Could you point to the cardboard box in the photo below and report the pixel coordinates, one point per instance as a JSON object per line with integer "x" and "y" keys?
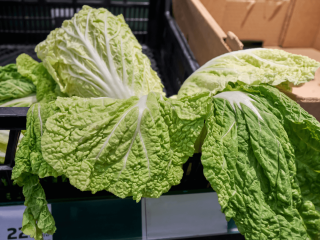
{"x": 204, "y": 35}
{"x": 260, "y": 20}
{"x": 290, "y": 25}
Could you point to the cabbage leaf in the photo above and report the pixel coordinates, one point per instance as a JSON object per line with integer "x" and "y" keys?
{"x": 15, "y": 88}
{"x": 251, "y": 67}
{"x": 133, "y": 147}
{"x": 47, "y": 89}
{"x": 251, "y": 158}
{"x": 9, "y": 72}
{"x": 130, "y": 147}
{"x": 95, "y": 54}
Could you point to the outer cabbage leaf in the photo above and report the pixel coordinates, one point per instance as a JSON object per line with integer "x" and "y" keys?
{"x": 15, "y": 88}
{"x": 37, "y": 218}
{"x": 95, "y": 54}
{"x": 250, "y": 67}
{"x": 20, "y": 102}
{"x": 133, "y": 147}
{"x": 251, "y": 161}
{"x": 25, "y": 66}
{"x": 304, "y": 134}
{"x": 9, "y": 72}
{"x": 29, "y": 157}
{"x": 29, "y": 166}
{"x": 47, "y": 88}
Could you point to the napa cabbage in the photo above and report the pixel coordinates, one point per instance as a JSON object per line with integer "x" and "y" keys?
{"x": 125, "y": 136}
{"x": 95, "y": 54}
{"x": 261, "y": 150}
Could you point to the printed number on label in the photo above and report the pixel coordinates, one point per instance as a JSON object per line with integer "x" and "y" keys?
{"x": 12, "y": 234}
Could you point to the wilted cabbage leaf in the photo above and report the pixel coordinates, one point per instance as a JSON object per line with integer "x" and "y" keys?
{"x": 95, "y": 54}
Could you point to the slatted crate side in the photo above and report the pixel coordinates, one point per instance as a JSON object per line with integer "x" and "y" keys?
{"x": 26, "y": 22}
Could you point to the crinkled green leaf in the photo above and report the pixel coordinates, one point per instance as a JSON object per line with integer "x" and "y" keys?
{"x": 9, "y": 72}
{"x": 133, "y": 147}
{"x": 304, "y": 134}
{"x": 250, "y": 67}
{"x": 37, "y": 218}
{"x": 20, "y": 102}
{"x": 47, "y": 88}
{"x": 15, "y": 88}
{"x": 29, "y": 166}
{"x": 95, "y": 54}
{"x": 251, "y": 156}
{"x": 29, "y": 157}
{"x": 133, "y": 140}
{"x": 25, "y": 66}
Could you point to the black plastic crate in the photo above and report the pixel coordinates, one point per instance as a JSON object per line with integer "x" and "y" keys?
{"x": 162, "y": 42}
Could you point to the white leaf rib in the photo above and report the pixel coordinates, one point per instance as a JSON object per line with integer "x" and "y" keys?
{"x": 30, "y": 99}
{"x": 40, "y": 120}
{"x": 71, "y": 34}
{"x": 266, "y": 61}
{"x": 87, "y": 25}
{"x": 75, "y": 53}
{"x": 113, "y": 130}
{"x": 92, "y": 51}
{"x": 107, "y": 76}
{"x": 132, "y": 62}
{"x": 142, "y": 106}
{"x": 78, "y": 64}
{"x": 150, "y": 114}
{"x": 85, "y": 80}
{"x": 116, "y": 34}
{"x": 124, "y": 71}
{"x": 96, "y": 78}
{"x": 15, "y": 86}
{"x": 112, "y": 67}
{"x": 144, "y": 79}
{"x": 170, "y": 159}
{"x": 229, "y": 129}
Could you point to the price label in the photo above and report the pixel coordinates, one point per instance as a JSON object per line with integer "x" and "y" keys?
{"x": 11, "y": 223}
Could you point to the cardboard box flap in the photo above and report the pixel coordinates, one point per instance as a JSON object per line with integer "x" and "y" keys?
{"x": 233, "y": 42}
{"x": 204, "y": 35}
